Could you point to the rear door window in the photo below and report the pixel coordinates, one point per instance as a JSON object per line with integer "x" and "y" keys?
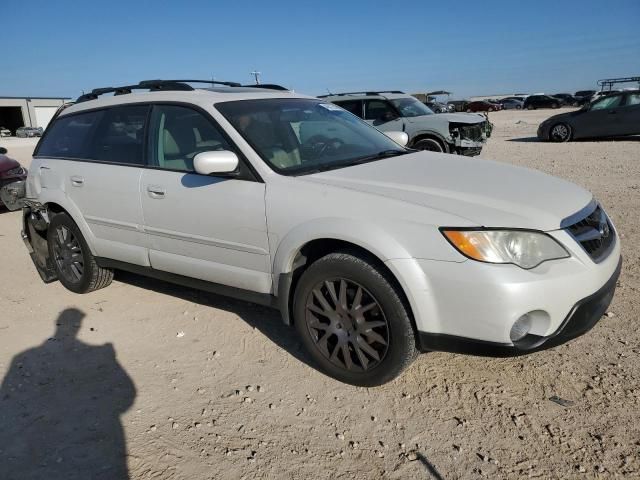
{"x": 353, "y": 106}
{"x": 70, "y": 136}
{"x": 120, "y": 135}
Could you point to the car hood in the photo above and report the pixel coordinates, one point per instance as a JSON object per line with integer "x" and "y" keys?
{"x": 7, "y": 163}
{"x": 469, "y": 118}
{"x": 478, "y": 192}
{"x": 563, "y": 116}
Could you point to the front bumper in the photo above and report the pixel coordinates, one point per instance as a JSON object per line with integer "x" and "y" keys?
{"x": 480, "y": 302}
{"x": 583, "y": 317}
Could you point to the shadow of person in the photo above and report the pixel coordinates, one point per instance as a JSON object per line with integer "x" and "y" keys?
{"x": 60, "y": 407}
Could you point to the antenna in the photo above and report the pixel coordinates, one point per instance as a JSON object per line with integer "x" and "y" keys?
{"x": 256, "y": 75}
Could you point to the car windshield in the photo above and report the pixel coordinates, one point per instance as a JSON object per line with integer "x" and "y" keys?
{"x": 299, "y": 136}
{"x": 411, "y": 107}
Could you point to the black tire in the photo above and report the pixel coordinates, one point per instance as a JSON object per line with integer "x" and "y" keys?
{"x": 560, "y": 132}
{"x": 334, "y": 340}
{"x": 74, "y": 264}
{"x": 468, "y": 110}
{"x": 518, "y": 107}
{"x": 531, "y": 107}
{"x": 555, "y": 105}
{"x": 429, "y": 144}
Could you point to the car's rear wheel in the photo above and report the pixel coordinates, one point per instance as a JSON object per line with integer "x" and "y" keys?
{"x": 555, "y": 105}
{"x": 353, "y": 321}
{"x": 75, "y": 266}
{"x": 531, "y": 107}
{"x": 429, "y": 144}
{"x": 560, "y": 132}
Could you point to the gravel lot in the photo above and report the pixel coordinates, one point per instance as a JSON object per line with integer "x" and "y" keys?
{"x": 195, "y": 386}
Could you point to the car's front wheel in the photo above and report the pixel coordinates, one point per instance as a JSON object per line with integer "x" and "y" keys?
{"x": 353, "y": 321}
{"x": 560, "y": 132}
{"x": 531, "y": 107}
{"x": 428, "y": 144}
{"x": 74, "y": 263}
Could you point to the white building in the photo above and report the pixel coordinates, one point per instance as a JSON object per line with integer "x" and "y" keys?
{"x": 16, "y": 112}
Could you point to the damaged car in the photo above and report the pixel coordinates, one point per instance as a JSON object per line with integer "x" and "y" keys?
{"x": 12, "y": 178}
{"x": 391, "y": 111}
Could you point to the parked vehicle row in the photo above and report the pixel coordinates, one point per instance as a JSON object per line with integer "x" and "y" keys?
{"x": 372, "y": 251}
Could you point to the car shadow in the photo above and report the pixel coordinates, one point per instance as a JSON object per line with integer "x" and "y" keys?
{"x": 266, "y": 320}
{"x": 60, "y": 408}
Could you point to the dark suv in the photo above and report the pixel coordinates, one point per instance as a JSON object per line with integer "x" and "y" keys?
{"x": 541, "y": 101}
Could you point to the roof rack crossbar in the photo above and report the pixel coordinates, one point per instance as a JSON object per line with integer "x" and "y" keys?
{"x": 152, "y": 85}
{"x": 610, "y": 82}
{"x": 369, "y": 92}
{"x": 268, "y": 86}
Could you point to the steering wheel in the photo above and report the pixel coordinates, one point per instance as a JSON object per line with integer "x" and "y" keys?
{"x": 320, "y": 146}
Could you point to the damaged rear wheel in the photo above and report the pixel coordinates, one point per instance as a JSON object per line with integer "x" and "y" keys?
{"x": 75, "y": 266}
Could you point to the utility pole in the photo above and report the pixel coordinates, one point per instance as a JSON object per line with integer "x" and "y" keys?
{"x": 256, "y": 75}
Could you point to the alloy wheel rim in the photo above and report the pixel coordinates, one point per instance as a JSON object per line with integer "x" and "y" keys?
{"x": 560, "y": 132}
{"x": 347, "y": 324}
{"x": 68, "y": 254}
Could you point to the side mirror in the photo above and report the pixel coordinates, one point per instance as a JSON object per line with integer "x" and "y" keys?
{"x": 400, "y": 138}
{"x": 3, "y": 151}
{"x": 215, "y": 162}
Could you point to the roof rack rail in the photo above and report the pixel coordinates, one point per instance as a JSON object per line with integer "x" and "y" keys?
{"x": 268, "y": 86}
{"x": 610, "y": 82}
{"x": 369, "y": 92}
{"x": 151, "y": 85}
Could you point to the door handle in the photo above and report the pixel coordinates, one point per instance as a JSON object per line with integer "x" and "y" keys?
{"x": 77, "y": 181}
{"x": 44, "y": 167}
{"x": 155, "y": 191}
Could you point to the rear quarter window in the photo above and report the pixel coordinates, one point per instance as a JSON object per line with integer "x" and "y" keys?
{"x": 69, "y": 136}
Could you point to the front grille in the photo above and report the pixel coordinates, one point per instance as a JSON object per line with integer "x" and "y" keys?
{"x": 471, "y": 132}
{"x": 594, "y": 233}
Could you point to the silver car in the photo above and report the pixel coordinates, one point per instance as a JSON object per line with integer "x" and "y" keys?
{"x": 461, "y": 133}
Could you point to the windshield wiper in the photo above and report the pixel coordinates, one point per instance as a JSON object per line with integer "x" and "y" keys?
{"x": 355, "y": 161}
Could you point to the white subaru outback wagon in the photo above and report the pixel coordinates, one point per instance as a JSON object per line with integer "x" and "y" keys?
{"x": 374, "y": 252}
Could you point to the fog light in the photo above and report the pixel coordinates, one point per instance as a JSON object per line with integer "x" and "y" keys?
{"x": 520, "y": 328}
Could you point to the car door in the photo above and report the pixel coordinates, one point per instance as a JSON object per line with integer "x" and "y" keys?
{"x": 96, "y": 158}
{"x": 206, "y": 227}
{"x": 382, "y": 115}
{"x": 600, "y": 120}
{"x": 629, "y": 115}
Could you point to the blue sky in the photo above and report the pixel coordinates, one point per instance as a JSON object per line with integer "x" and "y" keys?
{"x": 62, "y": 47}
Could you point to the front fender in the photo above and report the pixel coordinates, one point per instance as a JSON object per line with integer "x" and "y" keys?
{"x": 362, "y": 233}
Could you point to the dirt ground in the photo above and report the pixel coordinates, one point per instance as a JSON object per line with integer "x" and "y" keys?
{"x": 189, "y": 385}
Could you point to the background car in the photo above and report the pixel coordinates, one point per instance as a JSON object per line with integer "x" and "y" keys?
{"x": 616, "y": 114}
{"x": 541, "y": 101}
{"x": 12, "y": 178}
{"x": 24, "y": 132}
{"x": 391, "y": 111}
{"x": 566, "y": 99}
{"x": 511, "y": 103}
{"x": 5, "y": 132}
{"x": 458, "y": 105}
{"x": 437, "y": 107}
{"x": 483, "y": 106}
{"x": 583, "y": 96}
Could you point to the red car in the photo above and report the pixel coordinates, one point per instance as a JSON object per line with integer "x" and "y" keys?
{"x": 12, "y": 178}
{"x": 483, "y": 106}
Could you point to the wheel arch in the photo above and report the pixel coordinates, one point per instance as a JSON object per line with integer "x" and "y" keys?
{"x": 432, "y": 135}
{"x": 55, "y": 205}
{"x": 305, "y": 244}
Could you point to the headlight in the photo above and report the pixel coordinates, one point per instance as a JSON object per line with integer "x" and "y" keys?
{"x": 16, "y": 171}
{"x": 527, "y": 249}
